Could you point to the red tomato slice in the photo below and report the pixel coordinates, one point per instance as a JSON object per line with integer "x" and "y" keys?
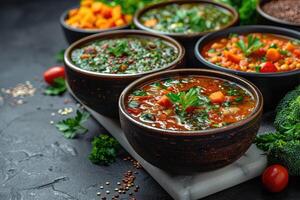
{"x": 165, "y": 101}
{"x": 275, "y": 178}
{"x": 268, "y": 67}
{"x": 54, "y": 73}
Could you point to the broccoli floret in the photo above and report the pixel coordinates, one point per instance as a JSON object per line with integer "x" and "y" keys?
{"x": 288, "y": 155}
{"x": 288, "y": 113}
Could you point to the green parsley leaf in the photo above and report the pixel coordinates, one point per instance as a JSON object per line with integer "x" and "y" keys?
{"x": 58, "y": 88}
{"x": 60, "y": 56}
{"x": 104, "y": 150}
{"x": 253, "y": 44}
{"x": 119, "y": 49}
{"x": 71, "y": 127}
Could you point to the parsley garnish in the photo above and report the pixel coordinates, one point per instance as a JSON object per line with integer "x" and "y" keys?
{"x": 58, "y": 87}
{"x": 119, "y": 49}
{"x": 104, "y": 150}
{"x": 60, "y": 56}
{"x": 253, "y": 44}
{"x": 71, "y": 127}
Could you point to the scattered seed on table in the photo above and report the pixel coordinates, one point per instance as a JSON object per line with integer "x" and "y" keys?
{"x": 51, "y": 122}
{"x": 107, "y": 183}
{"x": 107, "y": 191}
{"x": 101, "y": 187}
{"x": 98, "y": 193}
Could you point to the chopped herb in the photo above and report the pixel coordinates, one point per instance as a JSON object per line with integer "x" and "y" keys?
{"x": 283, "y": 52}
{"x": 274, "y": 46}
{"x": 104, "y": 150}
{"x": 148, "y": 117}
{"x": 233, "y": 92}
{"x": 239, "y": 99}
{"x": 120, "y": 48}
{"x": 211, "y": 51}
{"x": 296, "y": 42}
{"x": 60, "y": 56}
{"x": 253, "y": 44}
{"x": 71, "y": 127}
{"x": 58, "y": 87}
{"x": 133, "y": 104}
{"x": 257, "y": 68}
{"x": 139, "y": 93}
{"x": 226, "y": 103}
{"x": 232, "y": 35}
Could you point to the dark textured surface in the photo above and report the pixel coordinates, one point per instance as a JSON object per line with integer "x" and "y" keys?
{"x": 36, "y": 162}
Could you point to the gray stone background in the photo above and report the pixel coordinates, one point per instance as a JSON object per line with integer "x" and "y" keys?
{"x": 36, "y": 161}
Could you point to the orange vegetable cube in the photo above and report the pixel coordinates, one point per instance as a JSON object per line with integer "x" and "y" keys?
{"x": 273, "y": 55}
{"x": 117, "y": 12}
{"x": 217, "y": 97}
{"x": 232, "y": 57}
{"x": 86, "y": 3}
{"x": 297, "y": 52}
{"x": 150, "y": 22}
{"x": 73, "y": 12}
{"x": 96, "y": 7}
{"x": 128, "y": 18}
{"x": 120, "y": 22}
{"x": 290, "y": 47}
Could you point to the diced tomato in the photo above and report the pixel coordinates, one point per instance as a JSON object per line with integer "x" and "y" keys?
{"x": 165, "y": 101}
{"x": 190, "y": 109}
{"x": 268, "y": 67}
{"x": 142, "y": 98}
{"x": 217, "y": 97}
{"x": 162, "y": 117}
{"x": 297, "y": 52}
{"x": 260, "y": 52}
{"x": 134, "y": 111}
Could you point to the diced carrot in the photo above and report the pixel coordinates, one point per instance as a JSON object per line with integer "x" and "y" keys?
{"x": 232, "y": 57}
{"x": 290, "y": 47}
{"x": 165, "y": 101}
{"x": 217, "y": 97}
{"x": 273, "y": 55}
{"x": 117, "y": 13}
{"x": 128, "y": 18}
{"x": 96, "y": 7}
{"x": 162, "y": 117}
{"x": 150, "y": 22}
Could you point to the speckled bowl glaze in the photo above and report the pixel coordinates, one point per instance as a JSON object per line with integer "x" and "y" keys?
{"x": 272, "y": 85}
{"x": 73, "y": 34}
{"x": 187, "y": 40}
{"x": 101, "y": 91}
{"x": 184, "y": 152}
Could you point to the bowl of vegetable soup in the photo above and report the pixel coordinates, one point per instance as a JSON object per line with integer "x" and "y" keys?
{"x": 189, "y": 120}
{"x": 100, "y": 66}
{"x": 186, "y": 21}
{"x": 268, "y": 56}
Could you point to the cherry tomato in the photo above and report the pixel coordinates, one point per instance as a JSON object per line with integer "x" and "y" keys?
{"x": 259, "y": 53}
{"x": 53, "y": 73}
{"x": 275, "y": 178}
{"x": 268, "y": 67}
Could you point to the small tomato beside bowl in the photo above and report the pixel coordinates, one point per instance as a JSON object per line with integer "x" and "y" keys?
{"x": 275, "y": 178}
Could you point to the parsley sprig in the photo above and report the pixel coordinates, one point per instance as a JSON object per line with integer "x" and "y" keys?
{"x": 71, "y": 127}
{"x": 119, "y": 49}
{"x": 253, "y": 44}
{"x": 58, "y": 88}
{"x": 104, "y": 150}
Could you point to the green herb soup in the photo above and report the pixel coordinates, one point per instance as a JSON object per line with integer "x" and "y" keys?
{"x": 128, "y": 55}
{"x": 186, "y": 18}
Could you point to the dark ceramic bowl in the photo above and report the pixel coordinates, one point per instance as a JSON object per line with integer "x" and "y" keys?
{"x": 265, "y": 18}
{"x": 101, "y": 91}
{"x": 187, "y": 40}
{"x": 272, "y": 85}
{"x": 73, "y": 34}
{"x": 184, "y": 152}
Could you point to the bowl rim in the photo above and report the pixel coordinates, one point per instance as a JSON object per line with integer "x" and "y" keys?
{"x": 249, "y": 29}
{"x": 139, "y": 13}
{"x": 214, "y": 74}
{"x": 103, "y": 35}
{"x": 270, "y": 17}
{"x": 64, "y": 16}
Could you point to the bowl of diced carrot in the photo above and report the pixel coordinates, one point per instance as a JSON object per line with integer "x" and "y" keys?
{"x": 92, "y": 17}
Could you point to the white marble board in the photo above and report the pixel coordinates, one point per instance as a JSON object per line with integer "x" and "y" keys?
{"x": 198, "y": 185}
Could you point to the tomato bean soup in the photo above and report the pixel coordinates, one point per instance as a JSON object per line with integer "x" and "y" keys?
{"x": 190, "y": 103}
{"x": 255, "y": 52}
